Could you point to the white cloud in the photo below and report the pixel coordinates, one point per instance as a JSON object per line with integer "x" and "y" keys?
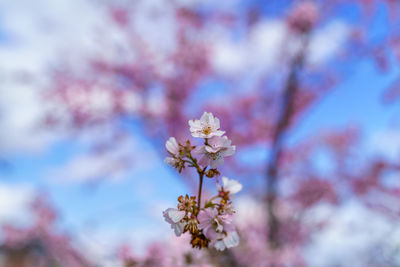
{"x": 385, "y": 143}
{"x": 154, "y": 21}
{"x": 113, "y": 163}
{"x": 116, "y": 159}
{"x": 257, "y": 53}
{"x": 101, "y": 246}
{"x": 249, "y": 211}
{"x": 266, "y": 44}
{"x": 327, "y": 41}
{"x": 37, "y": 28}
{"x": 220, "y": 5}
{"x": 21, "y": 120}
{"x": 15, "y": 200}
{"x": 40, "y": 31}
{"x": 352, "y": 232}
{"x": 36, "y": 34}
{"x": 228, "y": 57}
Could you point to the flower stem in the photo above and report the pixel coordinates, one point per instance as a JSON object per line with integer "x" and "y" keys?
{"x": 201, "y": 175}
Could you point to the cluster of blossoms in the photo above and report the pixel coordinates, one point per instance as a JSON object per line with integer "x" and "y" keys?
{"x": 303, "y": 17}
{"x": 212, "y": 223}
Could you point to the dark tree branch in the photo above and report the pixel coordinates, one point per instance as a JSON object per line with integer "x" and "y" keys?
{"x": 282, "y": 124}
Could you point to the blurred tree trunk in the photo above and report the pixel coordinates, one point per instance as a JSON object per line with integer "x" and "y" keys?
{"x": 285, "y": 116}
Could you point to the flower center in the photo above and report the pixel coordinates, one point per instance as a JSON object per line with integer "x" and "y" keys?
{"x": 214, "y": 156}
{"x": 207, "y": 130}
{"x": 217, "y": 225}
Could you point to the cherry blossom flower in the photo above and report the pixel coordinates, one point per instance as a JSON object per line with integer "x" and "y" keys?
{"x": 228, "y": 240}
{"x": 303, "y": 17}
{"x": 175, "y": 162}
{"x": 171, "y": 161}
{"x": 212, "y": 223}
{"x": 206, "y": 127}
{"x": 229, "y": 186}
{"x": 173, "y": 149}
{"x": 172, "y": 146}
{"x": 214, "y": 152}
{"x": 174, "y": 217}
{"x": 218, "y": 228}
{"x": 186, "y": 203}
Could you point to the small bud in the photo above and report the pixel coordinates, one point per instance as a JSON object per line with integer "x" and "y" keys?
{"x": 180, "y": 165}
{"x": 199, "y": 241}
{"x": 186, "y": 203}
{"x": 212, "y": 172}
{"x": 175, "y": 162}
{"x": 191, "y": 226}
{"x": 186, "y": 149}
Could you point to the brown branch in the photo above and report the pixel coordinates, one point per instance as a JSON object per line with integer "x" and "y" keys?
{"x": 283, "y": 122}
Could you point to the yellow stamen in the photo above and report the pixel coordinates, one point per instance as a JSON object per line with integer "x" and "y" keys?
{"x": 207, "y": 130}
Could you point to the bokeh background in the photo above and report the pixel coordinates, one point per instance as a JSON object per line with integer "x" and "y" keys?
{"x": 307, "y": 91}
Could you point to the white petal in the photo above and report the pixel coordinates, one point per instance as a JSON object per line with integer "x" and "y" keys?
{"x": 219, "y": 187}
{"x": 216, "y": 123}
{"x": 225, "y": 181}
{"x": 170, "y": 161}
{"x": 195, "y": 125}
{"x": 166, "y": 217}
{"x": 178, "y": 228}
{"x": 205, "y": 118}
{"x": 176, "y": 215}
{"x": 231, "y": 240}
{"x": 219, "y": 226}
{"x": 233, "y": 186}
{"x": 210, "y": 149}
{"x": 216, "y": 141}
{"x": 216, "y": 163}
{"x": 199, "y": 151}
{"x": 219, "y": 245}
{"x": 219, "y": 133}
{"x": 229, "y": 151}
{"x": 225, "y": 141}
{"x": 198, "y": 134}
{"x": 204, "y": 161}
{"x": 172, "y": 146}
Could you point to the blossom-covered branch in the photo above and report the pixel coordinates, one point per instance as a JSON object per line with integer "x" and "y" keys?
{"x": 210, "y": 224}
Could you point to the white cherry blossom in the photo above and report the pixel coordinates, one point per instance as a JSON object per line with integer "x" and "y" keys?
{"x": 214, "y": 152}
{"x": 171, "y": 161}
{"x": 206, "y": 127}
{"x": 172, "y": 146}
{"x": 228, "y": 240}
{"x": 174, "y": 217}
{"x": 211, "y": 224}
{"x": 229, "y": 186}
